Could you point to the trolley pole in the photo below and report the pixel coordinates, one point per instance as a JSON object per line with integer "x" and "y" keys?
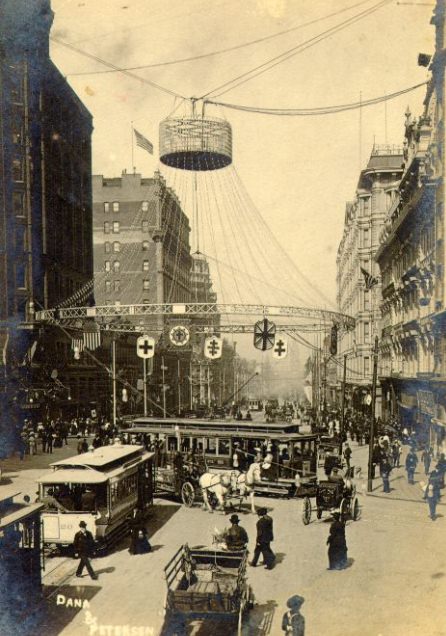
{"x": 344, "y": 380}
{"x": 163, "y": 369}
{"x": 179, "y": 387}
{"x": 372, "y": 423}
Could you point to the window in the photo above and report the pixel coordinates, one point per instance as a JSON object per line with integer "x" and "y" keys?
{"x": 366, "y": 366}
{"x": 366, "y": 237}
{"x": 17, "y": 136}
{"x": 116, "y": 246}
{"x": 117, "y": 285}
{"x": 211, "y": 446}
{"x": 366, "y": 300}
{"x": 145, "y": 206}
{"x": 366, "y": 332}
{"x": 146, "y": 284}
{"x": 115, "y": 206}
{"x": 107, "y": 266}
{"x": 107, "y": 286}
{"x": 106, "y": 207}
{"x": 145, "y": 266}
{"x": 106, "y": 227}
{"x": 116, "y": 227}
{"x": 17, "y": 203}
{"x": 145, "y": 226}
{"x": 223, "y": 447}
{"x": 145, "y": 246}
{"x": 107, "y": 247}
{"x": 17, "y": 170}
{"x": 116, "y": 266}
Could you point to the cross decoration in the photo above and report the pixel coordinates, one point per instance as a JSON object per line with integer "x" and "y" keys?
{"x": 212, "y": 348}
{"x": 280, "y": 349}
{"x": 145, "y": 347}
{"x": 264, "y": 334}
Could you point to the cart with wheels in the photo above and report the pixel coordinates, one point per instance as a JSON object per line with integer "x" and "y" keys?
{"x": 331, "y": 495}
{"x": 208, "y": 586}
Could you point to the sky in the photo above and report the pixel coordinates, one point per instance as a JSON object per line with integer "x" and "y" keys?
{"x": 297, "y": 172}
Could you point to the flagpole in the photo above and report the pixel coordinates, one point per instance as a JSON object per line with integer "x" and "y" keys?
{"x": 133, "y": 148}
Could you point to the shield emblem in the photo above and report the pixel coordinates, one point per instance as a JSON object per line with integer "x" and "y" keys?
{"x": 264, "y": 334}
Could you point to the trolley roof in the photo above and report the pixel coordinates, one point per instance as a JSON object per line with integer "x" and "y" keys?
{"x": 102, "y": 458}
{"x": 240, "y": 428}
{"x": 19, "y": 514}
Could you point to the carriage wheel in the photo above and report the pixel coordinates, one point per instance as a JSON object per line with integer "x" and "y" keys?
{"x": 187, "y": 494}
{"x": 306, "y": 512}
{"x": 343, "y": 508}
{"x": 355, "y": 509}
{"x": 319, "y": 513}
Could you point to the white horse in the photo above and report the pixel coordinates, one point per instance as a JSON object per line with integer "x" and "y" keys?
{"x": 218, "y": 485}
{"x": 244, "y": 482}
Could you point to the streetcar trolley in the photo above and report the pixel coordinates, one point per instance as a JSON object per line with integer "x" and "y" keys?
{"x": 207, "y": 584}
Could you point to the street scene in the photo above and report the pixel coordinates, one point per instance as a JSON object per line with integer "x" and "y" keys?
{"x": 222, "y": 318}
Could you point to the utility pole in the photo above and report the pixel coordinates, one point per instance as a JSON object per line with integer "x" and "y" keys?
{"x": 372, "y": 423}
{"x": 144, "y": 380}
{"x": 163, "y": 368}
{"x": 344, "y": 379}
{"x": 179, "y": 386}
{"x": 114, "y": 379}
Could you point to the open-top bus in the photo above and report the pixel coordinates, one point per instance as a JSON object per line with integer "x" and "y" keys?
{"x": 101, "y": 487}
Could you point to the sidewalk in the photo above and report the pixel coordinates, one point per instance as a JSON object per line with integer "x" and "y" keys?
{"x": 400, "y": 489}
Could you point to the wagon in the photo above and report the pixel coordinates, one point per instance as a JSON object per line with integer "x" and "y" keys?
{"x": 181, "y": 483}
{"x": 332, "y": 495}
{"x": 206, "y": 585}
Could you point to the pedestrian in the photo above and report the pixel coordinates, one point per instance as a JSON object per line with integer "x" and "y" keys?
{"x": 139, "y": 542}
{"x": 441, "y": 468}
{"x": 236, "y": 537}
{"x": 32, "y": 444}
{"x": 293, "y": 623}
{"x": 83, "y": 546}
{"x": 411, "y": 464}
{"x": 347, "y": 455}
{"x": 431, "y": 496}
{"x": 82, "y": 446}
{"x": 385, "y": 469}
{"x": 49, "y": 441}
{"x": 426, "y": 458}
{"x": 396, "y": 452}
{"x": 337, "y": 550}
{"x": 264, "y": 537}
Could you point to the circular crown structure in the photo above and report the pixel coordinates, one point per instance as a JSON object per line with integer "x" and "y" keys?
{"x": 195, "y": 143}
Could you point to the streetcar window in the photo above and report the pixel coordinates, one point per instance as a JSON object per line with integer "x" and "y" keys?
{"x": 185, "y": 444}
{"x": 172, "y": 443}
{"x": 223, "y": 447}
{"x": 211, "y": 446}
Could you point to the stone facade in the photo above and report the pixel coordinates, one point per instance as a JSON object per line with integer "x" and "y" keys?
{"x": 364, "y": 218}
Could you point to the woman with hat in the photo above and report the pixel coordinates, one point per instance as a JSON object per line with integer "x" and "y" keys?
{"x": 236, "y": 537}
{"x": 337, "y": 550}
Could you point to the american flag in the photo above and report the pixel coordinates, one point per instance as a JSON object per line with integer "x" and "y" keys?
{"x": 370, "y": 281}
{"x": 77, "y": 343}
{"x": 142, "y": 142}
{"x": 92, "y": 336}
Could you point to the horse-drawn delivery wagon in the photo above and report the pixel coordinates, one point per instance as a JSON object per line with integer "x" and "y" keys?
{"x": 206, "y": 585}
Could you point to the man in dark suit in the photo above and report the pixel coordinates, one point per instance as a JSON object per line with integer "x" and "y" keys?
{"x": 83, "y": 546}
{"x": 264, "y": 538}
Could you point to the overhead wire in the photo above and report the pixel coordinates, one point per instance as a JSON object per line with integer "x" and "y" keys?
{"x": 303, "y": 46}
{"x": 143, "y": 80}
{"x": 322, "y": 110}
{"x": 228, "y": 49}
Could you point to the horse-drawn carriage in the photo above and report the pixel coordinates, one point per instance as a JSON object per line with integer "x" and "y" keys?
{"x": 339, "y": 495}
{"x": 206, "y": 584}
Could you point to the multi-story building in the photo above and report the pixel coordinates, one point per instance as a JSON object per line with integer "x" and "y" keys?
{"x": 45, "y": 197}
{"x": 141, "y": 241}
{"x": 411, "y": 258}
{"x": 142, "y": 256}
{"x": 364, "y": 218}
